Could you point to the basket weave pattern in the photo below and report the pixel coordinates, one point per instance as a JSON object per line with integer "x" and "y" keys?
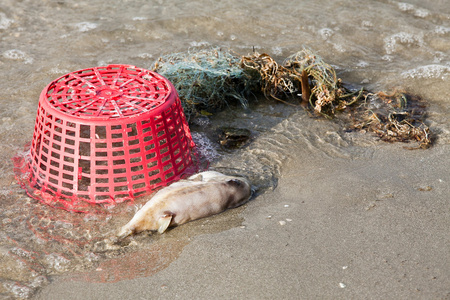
{"x": 108, "y": 134}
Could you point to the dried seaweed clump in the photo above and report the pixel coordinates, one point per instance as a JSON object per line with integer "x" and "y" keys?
{"x": 209, "y": 79}
{"x": 206, "y": 79}
{"x": 321, "y": 76}
{"x": 326, "y": 91}
{"x": 304, "y": 75}
{"x": 396, "y": 117}
{"x": 393, "y": 117}
{"x": 275, "y": 80}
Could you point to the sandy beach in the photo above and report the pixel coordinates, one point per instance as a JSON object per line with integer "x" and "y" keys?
{"x": 338, "y": 214}
{"x": 368, "y": 228}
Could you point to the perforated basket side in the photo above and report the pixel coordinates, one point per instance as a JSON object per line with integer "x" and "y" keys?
{"x": 83, "y": 157}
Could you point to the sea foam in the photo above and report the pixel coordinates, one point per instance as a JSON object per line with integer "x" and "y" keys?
{"x": 428, "y": 71}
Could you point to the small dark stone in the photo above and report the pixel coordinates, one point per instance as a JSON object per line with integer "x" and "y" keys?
{"x": 232, "y": 138}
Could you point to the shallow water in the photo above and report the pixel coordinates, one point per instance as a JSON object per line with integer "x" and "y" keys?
{"x": 379, "y": 45}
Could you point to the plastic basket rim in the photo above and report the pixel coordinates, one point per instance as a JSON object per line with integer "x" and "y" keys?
{"x": 172, "y": 95}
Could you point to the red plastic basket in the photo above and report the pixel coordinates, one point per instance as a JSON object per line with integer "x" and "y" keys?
{"x": 106, "y": 135}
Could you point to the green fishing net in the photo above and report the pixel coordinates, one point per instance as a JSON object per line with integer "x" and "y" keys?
{"x": 209, "y": 79}
{"x": 206, "y": 80}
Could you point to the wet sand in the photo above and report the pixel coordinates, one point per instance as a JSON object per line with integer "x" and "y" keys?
{"x": 372, "y": 224}
{"x": 375, "y": 227}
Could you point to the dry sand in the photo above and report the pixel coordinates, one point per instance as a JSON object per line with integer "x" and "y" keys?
{"x": 372, "y": 228}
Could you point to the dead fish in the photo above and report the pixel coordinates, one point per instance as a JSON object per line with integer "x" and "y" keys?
{"x": 199, "y": 196}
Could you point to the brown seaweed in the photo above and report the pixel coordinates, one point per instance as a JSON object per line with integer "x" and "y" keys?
{"x": 395, "y": 117}
{"x": 209, "y": 79}
{"x": 276, "y": 81}
{"x": 398, "y": 117}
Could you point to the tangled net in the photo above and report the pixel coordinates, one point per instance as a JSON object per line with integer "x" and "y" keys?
{"x": 275, "y": 81}
{"x": 396, "y": 117}
{"x": 206, "y": 80}
{"x": 209, "y": 79}
{"x": 303, "y": 74}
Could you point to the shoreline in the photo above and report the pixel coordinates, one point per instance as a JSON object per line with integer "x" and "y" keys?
{"x": 334, "y": 228}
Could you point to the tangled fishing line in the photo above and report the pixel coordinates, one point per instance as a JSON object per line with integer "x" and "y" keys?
{"x": 210, "y": 79}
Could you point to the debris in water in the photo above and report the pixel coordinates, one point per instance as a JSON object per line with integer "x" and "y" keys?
{"x": 396, "y": 117}
{"x": 305, "y": 73}
{"x": 231, "y": 138}
{"x": 275, "y": 80}
{"x": 208, "y": 79}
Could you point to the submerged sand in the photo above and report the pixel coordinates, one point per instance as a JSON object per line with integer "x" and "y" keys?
{"x": 375, "y": 227}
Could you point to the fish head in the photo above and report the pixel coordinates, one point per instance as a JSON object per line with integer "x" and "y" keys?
{"x": 124, "y": 232}
{"x": 239, "y": 191}
{"x": 140, "y": 222}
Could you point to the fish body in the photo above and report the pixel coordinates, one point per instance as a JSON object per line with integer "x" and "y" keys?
{"x": 199, "y": 196}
